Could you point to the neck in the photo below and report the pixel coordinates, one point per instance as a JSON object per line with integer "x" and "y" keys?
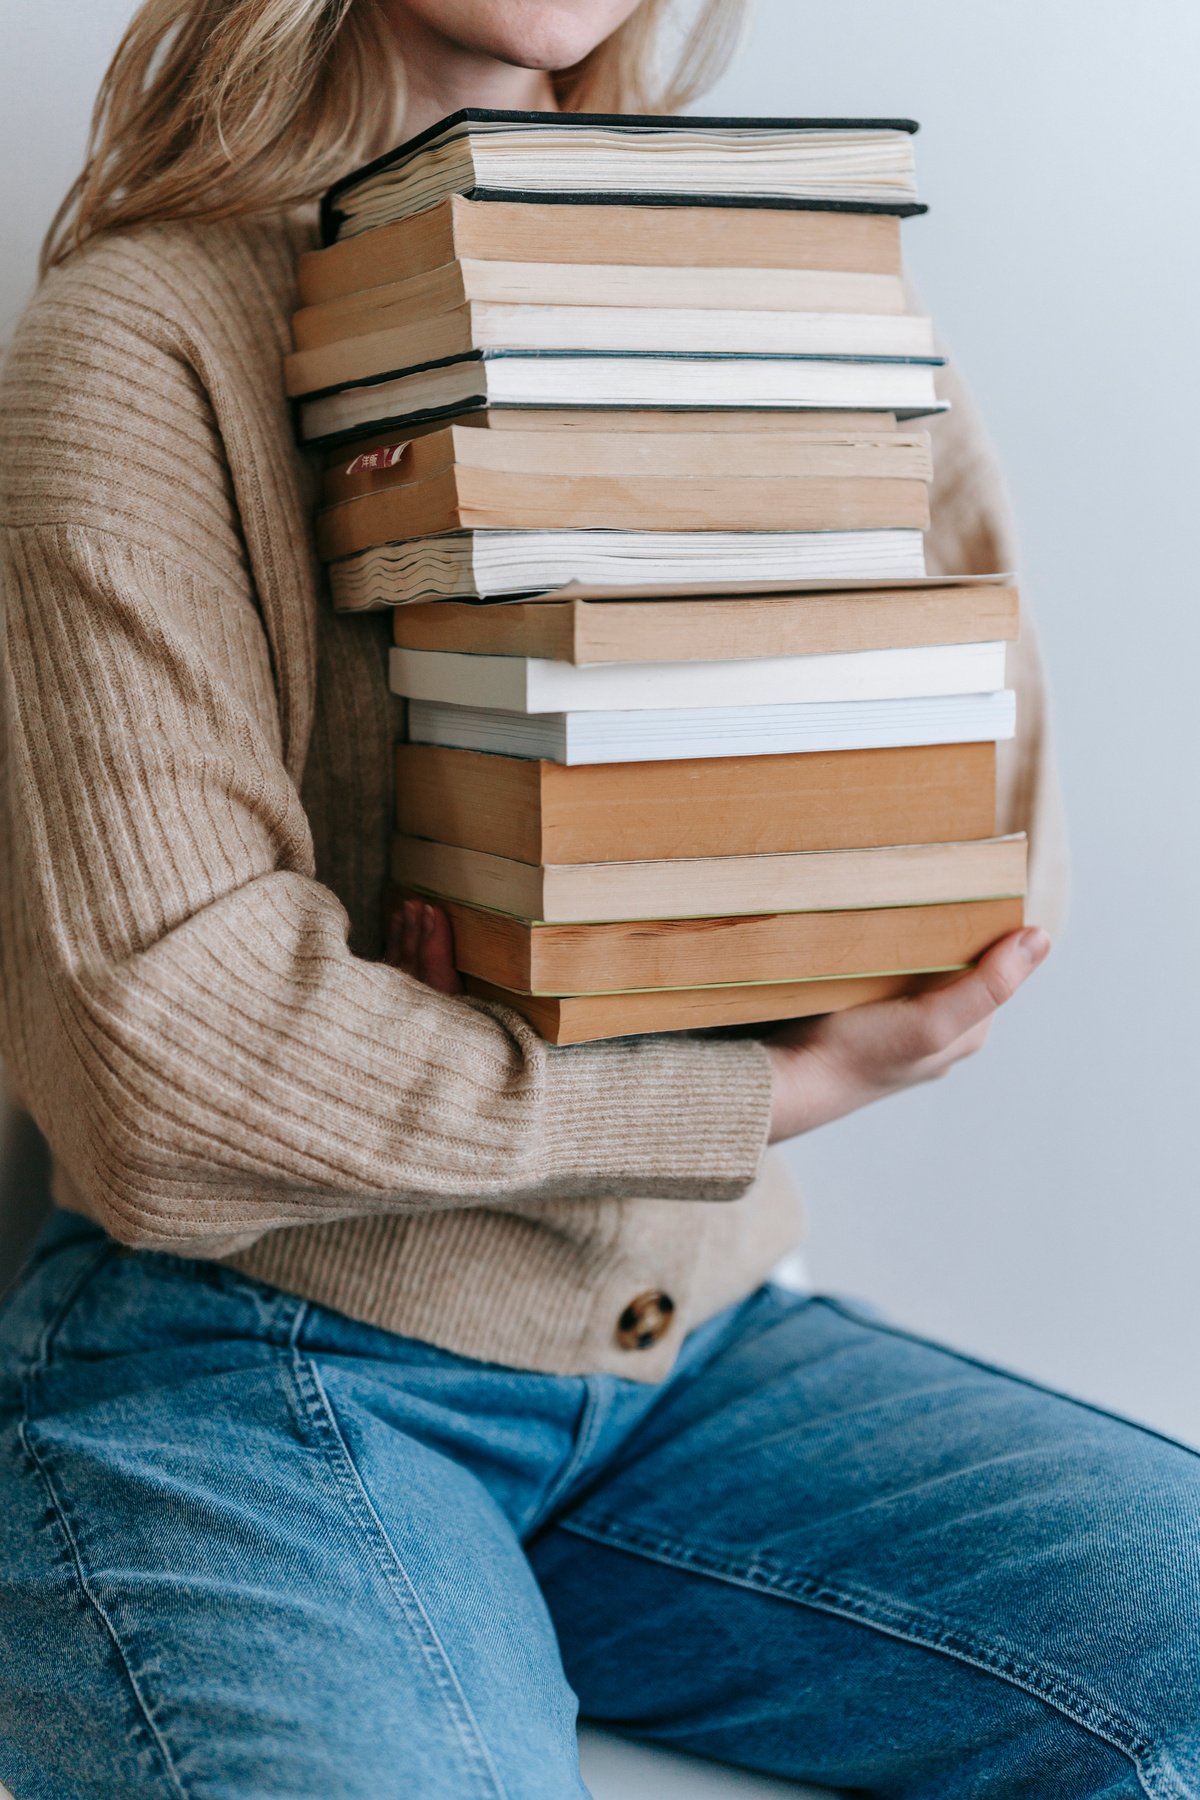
{"x": 442, "y": 76}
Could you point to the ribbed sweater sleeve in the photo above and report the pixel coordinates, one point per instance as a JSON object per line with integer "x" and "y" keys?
{"x": 181, "y": 1010}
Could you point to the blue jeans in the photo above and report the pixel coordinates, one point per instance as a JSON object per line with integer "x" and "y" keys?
{"x": 250, "y": 1548}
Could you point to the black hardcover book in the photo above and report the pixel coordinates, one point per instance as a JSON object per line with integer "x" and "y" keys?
{"x": 630, "y": 159}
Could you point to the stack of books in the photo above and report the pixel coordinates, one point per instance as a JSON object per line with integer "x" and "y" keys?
{"x": 618, "y": 416}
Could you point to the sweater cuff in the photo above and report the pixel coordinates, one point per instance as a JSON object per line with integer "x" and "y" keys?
{"x": 662, "y": 1117}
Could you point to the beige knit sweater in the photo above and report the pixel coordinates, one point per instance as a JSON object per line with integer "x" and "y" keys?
{"x": 194, "y": 813}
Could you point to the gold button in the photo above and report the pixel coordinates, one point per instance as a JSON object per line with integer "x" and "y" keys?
{"x": 645, "y": 1320}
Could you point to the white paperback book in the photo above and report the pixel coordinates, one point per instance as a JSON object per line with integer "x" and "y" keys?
{"x": 527, "y": 684}
{"x": 489, "y": 565}
{"x": 664, "y": 736}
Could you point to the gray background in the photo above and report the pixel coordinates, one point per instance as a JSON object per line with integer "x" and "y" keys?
{"x": 1041, "y": 1207}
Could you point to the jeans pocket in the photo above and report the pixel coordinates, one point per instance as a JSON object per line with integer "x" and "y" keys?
{"x": 89, "y": 1314}
{"x": 49, "y": 1286}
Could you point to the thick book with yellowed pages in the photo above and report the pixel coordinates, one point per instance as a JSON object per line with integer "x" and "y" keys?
{"x": 655, "y": 237}
{"x": 435, "y": 292}
{"x": 694, "y": 887}
{"x": 457, "y": 478}
{"x": 718, "y": 629}
{"x": 548, "y": 812}
{"x": 675, "y": 953}
{"x": 337, "y": 460}
{"x": 467, "y": 499}
{"x": 583, "y": 1018}
{"x": 858, "y": 165}
{"x": 860, "y": 452}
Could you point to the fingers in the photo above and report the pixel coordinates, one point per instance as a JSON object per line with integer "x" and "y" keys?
{"x": 932, "y": 1068}
{"x": 436, "y": 951}
{"x": 822, "y": 1069}
{"x": 421, "y": 943}
{"x": 404, "y": 936}
{"x": 938, "y": 1019}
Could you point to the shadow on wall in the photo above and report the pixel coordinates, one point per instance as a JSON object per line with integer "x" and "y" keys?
{"x": 24, "y": 1188}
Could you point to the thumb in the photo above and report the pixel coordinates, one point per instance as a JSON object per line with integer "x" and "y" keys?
{"x": 994, "y": 980}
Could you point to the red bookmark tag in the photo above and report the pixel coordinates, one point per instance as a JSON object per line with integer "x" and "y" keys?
{"x": 384, "y": 458}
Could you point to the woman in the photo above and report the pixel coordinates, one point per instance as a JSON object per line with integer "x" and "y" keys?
{"x": 359, "y": 1410}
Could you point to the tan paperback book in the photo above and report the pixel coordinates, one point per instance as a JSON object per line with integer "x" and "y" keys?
{"x": 657, "y": 953}
{"x": 646, "y": 236}
{"x": 583, "y": 1018}
{"x": 716, "y": 630}
{"x": 692, "y": 887}
{"x": 548, "y": 812}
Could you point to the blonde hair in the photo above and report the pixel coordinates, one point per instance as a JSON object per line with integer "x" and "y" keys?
{"x": 212, "y": 108}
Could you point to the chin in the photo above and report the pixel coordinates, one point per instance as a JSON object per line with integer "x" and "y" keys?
{"x": 547, "y": 34}
{"x": 529, "y": 34}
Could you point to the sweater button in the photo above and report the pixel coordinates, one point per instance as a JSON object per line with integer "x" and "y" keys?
{"x": 646, "y": 1319}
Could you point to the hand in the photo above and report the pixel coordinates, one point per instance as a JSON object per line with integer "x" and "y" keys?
{"x": 823, "y": 1068}
{"x": 421, "y": 942}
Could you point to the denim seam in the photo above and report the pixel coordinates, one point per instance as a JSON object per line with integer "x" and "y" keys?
{"x": 43, "y": 1355}
{"x": 38, "y": 1364}
{"x": 39, "y": 1463}
{"x": 588, "y": 1433}
{"x": 1154, "y": 1775}
{"x": 299, "y": 1320}
{"x": 319, "y": 1413}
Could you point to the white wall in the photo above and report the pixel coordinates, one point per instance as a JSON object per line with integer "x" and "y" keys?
{"x": 1043, "y": 1207}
